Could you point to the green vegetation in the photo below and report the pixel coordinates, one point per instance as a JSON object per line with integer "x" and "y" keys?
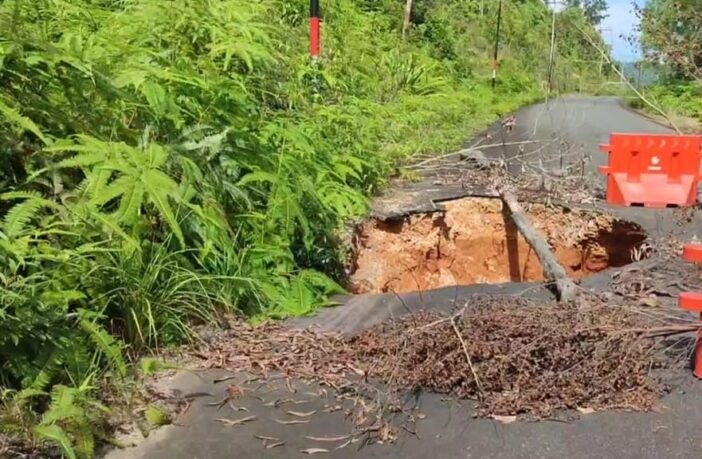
{"x": 678, "y": 98}
{"x": 166, "y": 162}
{"x": 670, "y": 37}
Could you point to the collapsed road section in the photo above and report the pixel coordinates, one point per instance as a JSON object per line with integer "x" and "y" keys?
{"x": 475, "y": 241}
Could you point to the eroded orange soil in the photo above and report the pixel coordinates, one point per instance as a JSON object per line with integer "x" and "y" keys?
{"x": 476, "y": 242}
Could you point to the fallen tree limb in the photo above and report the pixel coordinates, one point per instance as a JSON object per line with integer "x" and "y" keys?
{"x": 468, "y": 150}
{"x": 552, "y": 270}
{"x": 650, "y": 332}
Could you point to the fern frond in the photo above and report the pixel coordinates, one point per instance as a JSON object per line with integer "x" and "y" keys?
{"x": 19, "y": 216}
{"x": 106, "y": 344}
{"x": 62, "y": 398}
{"x": 84, "y": 439}
{"x": 95, "y": 182}
{"x": 10, "y": 195}
{"x": 88, "y": 159}
{"x": 28, "y": 393}
{"x": 121, "y": 186}
{"x": 156, "y": 154}
{"x": 160, "y": 187}
{"x": 16, "y": 118}
{"x": 130, "y": 204}
{"x": 260, "y": 176}
{"x": 56, "y": 434}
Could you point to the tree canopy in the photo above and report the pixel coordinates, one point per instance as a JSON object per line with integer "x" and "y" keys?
{"x": 595, "y": 10}
{"x": 671, "y": 34}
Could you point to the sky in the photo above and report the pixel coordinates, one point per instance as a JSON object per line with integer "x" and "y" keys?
{"x": 621, "y": 21}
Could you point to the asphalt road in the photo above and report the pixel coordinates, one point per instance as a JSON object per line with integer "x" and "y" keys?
{"x": 579, "y": 124}
{"x": 576, "y": 126}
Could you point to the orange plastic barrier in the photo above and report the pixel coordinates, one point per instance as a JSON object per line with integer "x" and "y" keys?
{"x": 692, "y": 301}
{"x": 652, "y": 170}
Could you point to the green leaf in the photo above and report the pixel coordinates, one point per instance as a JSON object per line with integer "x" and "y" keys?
{"x": 159, "y": 187}
{"x": 300, "y": 299}
{"x": 95, "y": 182}
{"x": 18, "y": 217}
{"x": 82, "y": 160}
{"x": 155, "y": 95}
{"x": 321, "y": 281}
{"x": 106, "y": 344}
{"x": 57, "y": 435}
{"x": 119, "y": 187}
{"x": 31, "y": 393}
{"x": 130, "y": 77}
{"x": 260, "y": 176}
{"x": 14, "y": 117}
{"x": 61, "y": 298}
{"x": 156, "y": 417}
{"x": 130, "y": 203}
{"x": 151, "y": 366}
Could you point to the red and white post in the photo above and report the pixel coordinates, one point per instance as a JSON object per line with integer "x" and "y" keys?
{"x": 314, "y": 29}
{"x": 692, "y": 301}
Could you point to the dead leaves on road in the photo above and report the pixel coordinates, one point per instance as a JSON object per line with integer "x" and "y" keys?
{"x": 329, "y": 439}
{"x": 298, "y": 414}
{"x": 277, "y": 403}
{"x": 266, "y": 439}
{"x": 314, "y": 450}
{"x": 555, "y": 355}
{"x": 292, "y": 421}
{"x": 504, "y": 419}
{"x": 236, "y": 422}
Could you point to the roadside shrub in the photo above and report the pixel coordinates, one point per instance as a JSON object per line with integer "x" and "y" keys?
{"x": 165, "y": 162}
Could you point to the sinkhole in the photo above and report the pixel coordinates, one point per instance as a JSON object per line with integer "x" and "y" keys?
{"x": 475, "y": 242}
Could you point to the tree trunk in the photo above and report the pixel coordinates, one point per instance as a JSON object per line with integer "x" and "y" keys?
{"x": 408, "y": 17}
{"x": 552, "y": 270}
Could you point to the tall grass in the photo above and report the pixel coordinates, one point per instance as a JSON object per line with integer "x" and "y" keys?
{"x": 165, "y": 162}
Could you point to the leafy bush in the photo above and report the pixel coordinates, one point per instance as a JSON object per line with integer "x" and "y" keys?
{"x": 168, "y": 161}
{"x": 681, "y": 98}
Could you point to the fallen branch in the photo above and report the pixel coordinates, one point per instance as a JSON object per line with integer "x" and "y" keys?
{"x": 659, "y": 332}
{"x": 499, "y": 340}
{"x": 465, "y": 352}
{"x": 650, "y": 332}
{"x": 552, "y": 270}
{"x": 465, "y": 151}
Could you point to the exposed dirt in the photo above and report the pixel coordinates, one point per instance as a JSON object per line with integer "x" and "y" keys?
{"x": 475, "y": 241}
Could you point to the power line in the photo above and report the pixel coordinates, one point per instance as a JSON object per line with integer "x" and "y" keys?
{"x": 554, "y": 7}
{"x": 497, "y": 45}
{"x": 550, "y": 55}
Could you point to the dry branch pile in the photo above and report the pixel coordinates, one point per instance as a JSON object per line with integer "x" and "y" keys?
{"x": 530, "y": 360}
{"x": 516, "y": 357}
{"x": 530, "y": 186}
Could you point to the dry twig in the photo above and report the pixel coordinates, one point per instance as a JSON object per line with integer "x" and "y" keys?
{"x": 465, "y": 352}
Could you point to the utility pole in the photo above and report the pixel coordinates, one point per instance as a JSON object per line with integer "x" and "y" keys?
{"x": 314, "y": 29}
{"x": 407, "y": 19}
{"x": 553, "y": 46}
{"x": 497, "y": 45}
{"x": 602, "y": 33}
